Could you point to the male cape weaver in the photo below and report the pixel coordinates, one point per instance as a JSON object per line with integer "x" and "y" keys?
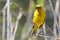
{"x": 38, "y": 18}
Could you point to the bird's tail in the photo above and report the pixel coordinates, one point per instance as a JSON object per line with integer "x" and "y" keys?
{"x": 34, "y": 30}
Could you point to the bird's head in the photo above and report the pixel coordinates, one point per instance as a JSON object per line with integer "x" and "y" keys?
{"x": 38, "y": 7}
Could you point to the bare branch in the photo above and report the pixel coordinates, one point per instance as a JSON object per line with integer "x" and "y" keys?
{"x": 17, "y": 21}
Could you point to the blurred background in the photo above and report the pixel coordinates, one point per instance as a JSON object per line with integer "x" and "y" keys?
{"x": 20, "y": 16}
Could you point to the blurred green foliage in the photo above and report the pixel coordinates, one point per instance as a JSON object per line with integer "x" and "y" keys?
{"x": 2, "y": 3}
{"x": 39, "y": 1}
{"x": 14, "y": 6}
{"x": 23, "y": 3}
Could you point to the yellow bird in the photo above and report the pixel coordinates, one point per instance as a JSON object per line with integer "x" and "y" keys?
{"x": 38, "y": 18}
